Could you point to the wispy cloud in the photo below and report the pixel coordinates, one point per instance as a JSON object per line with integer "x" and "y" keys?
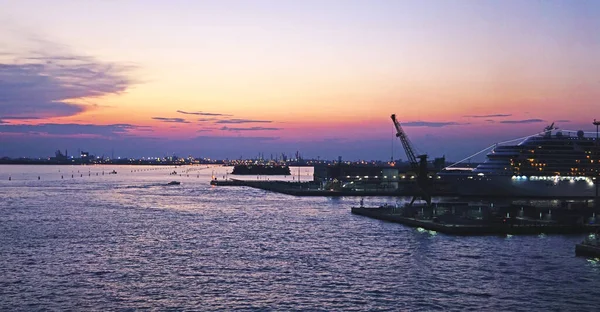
{"x": 490, "y": 120}
{"x": 431, "y": 124}
{"x": 225, "y": 128}
{"x": 206, "y": 119}
{"x": 202, "y": 113}
{"x": 488, "y": 116}
{"x": 167, "y": 119}
{"x": 53, "y": 82}
{"x": 524, "y": 121}
{"x": 72, "y": 129}
{"x": 241, "y": 121}
{"x": 19, "y": 117}
{"x": 562, "y": 120}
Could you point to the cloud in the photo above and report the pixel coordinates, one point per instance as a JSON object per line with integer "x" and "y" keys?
{"x": 225, "y": 128}
{"x": 206, "y": 129}
{"x": 488, "y": 116}
{"x": 72, "y": 129}
{"x": 201, "y": 113}
{"x": 562, "y": 120}
{"x": 431, "y": 124}
{"x": 166, "y": 119}
{"x": 490, "y": 120}
{"x": 52, "y": 83}
{"x": 206, "y": 119}
{"x": 19, "y": 117}
{"x": 241, "y": 121}
{"x": 524, "y": 121}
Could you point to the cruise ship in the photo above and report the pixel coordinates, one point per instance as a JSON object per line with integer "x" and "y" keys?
{"x": 551, "y": 164}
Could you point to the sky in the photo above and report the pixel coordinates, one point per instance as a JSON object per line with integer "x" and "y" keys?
{"x": 230, "y": 79}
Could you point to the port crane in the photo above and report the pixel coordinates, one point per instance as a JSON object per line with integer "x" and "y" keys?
{"x": 418, "y": 164}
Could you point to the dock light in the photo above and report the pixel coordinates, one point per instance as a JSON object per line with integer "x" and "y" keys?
{"x": 421, "y": 230}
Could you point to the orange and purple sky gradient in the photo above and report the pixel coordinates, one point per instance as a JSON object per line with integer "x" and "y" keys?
{"x": 234, "y": 78}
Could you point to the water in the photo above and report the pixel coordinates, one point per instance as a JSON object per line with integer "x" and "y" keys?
{"x": 128, "y": 242}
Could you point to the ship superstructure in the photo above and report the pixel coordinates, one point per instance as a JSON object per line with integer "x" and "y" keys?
{"x": 551, "y": 164}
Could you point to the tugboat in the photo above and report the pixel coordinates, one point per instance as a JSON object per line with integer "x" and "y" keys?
{"x": 590, "y": 246}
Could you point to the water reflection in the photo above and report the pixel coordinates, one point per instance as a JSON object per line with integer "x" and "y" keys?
{"x": 127, "y": 241}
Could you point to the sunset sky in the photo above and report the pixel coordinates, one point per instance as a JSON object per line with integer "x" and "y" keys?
{"x": 234, "y": 78}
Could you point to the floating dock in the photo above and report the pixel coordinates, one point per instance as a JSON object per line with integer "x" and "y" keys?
{"x": 473, "y": 227}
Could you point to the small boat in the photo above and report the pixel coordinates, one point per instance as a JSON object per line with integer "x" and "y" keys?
{"x": 112, "y": 172}
{"x": 590, "y": 246}
{"x": 174, "y": 183}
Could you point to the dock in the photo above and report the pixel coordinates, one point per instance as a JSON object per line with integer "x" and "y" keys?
{"x": 306, "y": 188}
{"x": 473, "y": 227}
{"x": 313, "y": 189}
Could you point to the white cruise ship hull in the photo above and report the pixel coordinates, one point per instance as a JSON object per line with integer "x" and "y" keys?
{"x": 507, "y": 186}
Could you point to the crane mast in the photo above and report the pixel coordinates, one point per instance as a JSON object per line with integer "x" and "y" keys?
{"x": 410, "y": 154}
{"x": 417, "y": 162}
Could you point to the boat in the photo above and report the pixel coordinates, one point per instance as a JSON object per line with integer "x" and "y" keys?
{"x": 261, "y": 170}
{"x": 589, "y": 247}
{"x": 174, "y": 183}
{"x": 113, "y": 172}
{"x": 551, "y": 164}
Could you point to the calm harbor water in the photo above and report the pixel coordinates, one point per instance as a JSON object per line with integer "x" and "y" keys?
{"x": 127, "y": 241}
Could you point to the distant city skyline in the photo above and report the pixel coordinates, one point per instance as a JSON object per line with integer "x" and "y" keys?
{"x": 225, "y": 79}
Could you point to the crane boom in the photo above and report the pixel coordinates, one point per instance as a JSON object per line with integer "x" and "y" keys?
{"x": 408, "y": 149}
{"x": 419, "y": 166}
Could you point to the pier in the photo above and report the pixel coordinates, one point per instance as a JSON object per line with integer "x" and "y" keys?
{"x": 463, "y": 226}
{"x": 308, "y": 188}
